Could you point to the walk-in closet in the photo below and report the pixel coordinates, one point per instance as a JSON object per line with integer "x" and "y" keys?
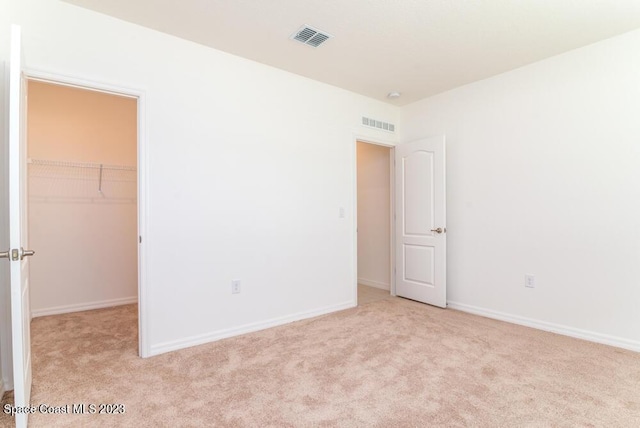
{"x": 82, "y": 198}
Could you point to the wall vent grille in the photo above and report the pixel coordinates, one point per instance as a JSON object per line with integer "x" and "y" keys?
{"x": 311, "y": 36}
{"x": 378, "y": 124}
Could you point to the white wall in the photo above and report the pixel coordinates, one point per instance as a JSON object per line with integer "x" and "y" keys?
{"x": 373, "y": 215}
{"x": 87, "y": 241}
{"x": 248, "y": 167}
{"x": 543, "y": 178}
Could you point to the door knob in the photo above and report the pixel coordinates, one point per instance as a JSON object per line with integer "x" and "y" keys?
{"x": 26, "y": 253}
{"x": 4, "y": 254}
{"x": 438, "y": 230}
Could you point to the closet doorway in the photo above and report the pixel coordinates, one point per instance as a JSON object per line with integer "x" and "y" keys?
{"x": 374, "y": 166}
{"x": 82, "y": 149}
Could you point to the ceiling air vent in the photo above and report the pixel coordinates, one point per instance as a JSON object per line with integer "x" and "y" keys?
{"x": 311, "y": 36}
{"x": 383, "y": 126}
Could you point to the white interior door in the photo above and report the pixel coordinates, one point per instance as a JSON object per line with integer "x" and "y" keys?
{"x": 20, "y": 311}
{"x": 421, "y": 243}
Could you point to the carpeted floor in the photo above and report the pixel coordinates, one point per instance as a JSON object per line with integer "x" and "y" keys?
{"x": 370, "y": 294}
{"x": 387, "y": 363}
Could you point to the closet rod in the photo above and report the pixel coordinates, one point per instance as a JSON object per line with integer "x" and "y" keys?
{"x": 100, "y": 166}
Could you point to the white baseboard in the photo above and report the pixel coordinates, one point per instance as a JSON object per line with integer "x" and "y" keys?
{"x": 547, "y": 326}
{"x": 376, "y": 284}
{"x": 56, "y": 310}
{"x": 213, "y": 336}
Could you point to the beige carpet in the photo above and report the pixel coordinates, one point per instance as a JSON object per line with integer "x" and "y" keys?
{"x": 388, "y": 363}
{"x": 370, "y": 294}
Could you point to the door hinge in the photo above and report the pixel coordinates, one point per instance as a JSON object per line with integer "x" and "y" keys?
{"x": 140, "y": 239}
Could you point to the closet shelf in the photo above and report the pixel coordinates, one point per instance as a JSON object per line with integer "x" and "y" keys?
{"x": 65, "y": 164}
{"x": 65, "y": 179}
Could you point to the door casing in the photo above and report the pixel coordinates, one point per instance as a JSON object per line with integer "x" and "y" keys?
{"x": 142, "y": 168}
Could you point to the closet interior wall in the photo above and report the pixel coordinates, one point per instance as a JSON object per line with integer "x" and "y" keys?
{"x": 82, "y": 187}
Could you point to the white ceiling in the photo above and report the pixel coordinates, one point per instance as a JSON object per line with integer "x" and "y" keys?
{"x": 416, "y": 47}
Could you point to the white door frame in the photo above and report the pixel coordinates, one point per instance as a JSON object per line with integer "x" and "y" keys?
{"x": 144, "y": 349}
{"x": 392, "y": 209}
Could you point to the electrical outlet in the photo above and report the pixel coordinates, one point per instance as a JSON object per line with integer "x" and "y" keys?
{"x": 530, "y": 281}
{"x": 235, "y": 286}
